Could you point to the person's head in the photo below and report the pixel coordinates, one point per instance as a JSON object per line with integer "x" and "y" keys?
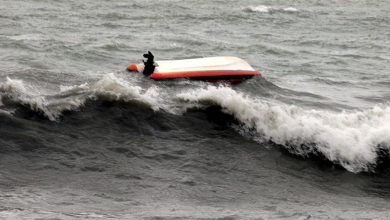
{"x": 148, "y": 55}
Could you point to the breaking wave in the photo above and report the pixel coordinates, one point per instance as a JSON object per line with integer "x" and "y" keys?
{"x": 353, "y": 139}
{"x": 71, "y": 98}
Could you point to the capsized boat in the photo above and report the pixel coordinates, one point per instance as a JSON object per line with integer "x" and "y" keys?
{"x": 213, "y": 69}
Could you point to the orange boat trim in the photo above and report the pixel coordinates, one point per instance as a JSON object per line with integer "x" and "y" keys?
{"x": 209, "y": 73}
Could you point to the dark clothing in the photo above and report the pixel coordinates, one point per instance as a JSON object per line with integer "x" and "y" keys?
{"x": 149, "y": 64}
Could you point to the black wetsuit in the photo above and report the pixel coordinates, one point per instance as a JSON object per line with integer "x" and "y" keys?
{"x": 149, "y": 64}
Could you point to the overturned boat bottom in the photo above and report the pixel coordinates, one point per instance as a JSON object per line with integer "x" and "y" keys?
{"x": 212, "y": 69}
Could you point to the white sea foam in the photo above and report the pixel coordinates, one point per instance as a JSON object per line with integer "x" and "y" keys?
{"x": 351, "y": 138}
{"x": 348, "y": 138}
{"x": 290, "y": 9}
{"x": 11, "y": 86}
{"x": 70, "y": 98}
{"x": 110, "y": 87}
{"x": 267, "y": 9}
{"x": 116, "y": 89}
{"x": 260, "y": 8}
{"x": 19, "y": 92}
{"x": 27, "y": 37}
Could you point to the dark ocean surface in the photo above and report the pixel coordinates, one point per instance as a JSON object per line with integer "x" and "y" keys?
{"x": 81, "y": 138}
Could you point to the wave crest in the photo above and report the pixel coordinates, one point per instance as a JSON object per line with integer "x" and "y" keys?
{"x": 70, "y": 98}
{"x": 17, "y": 91}
{"x": 352, "y": 139}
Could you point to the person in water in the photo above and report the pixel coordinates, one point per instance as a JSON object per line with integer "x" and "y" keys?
{"x": 149, "y": 64}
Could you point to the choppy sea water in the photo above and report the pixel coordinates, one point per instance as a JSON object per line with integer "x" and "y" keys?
{"x": 82, "y": 138}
